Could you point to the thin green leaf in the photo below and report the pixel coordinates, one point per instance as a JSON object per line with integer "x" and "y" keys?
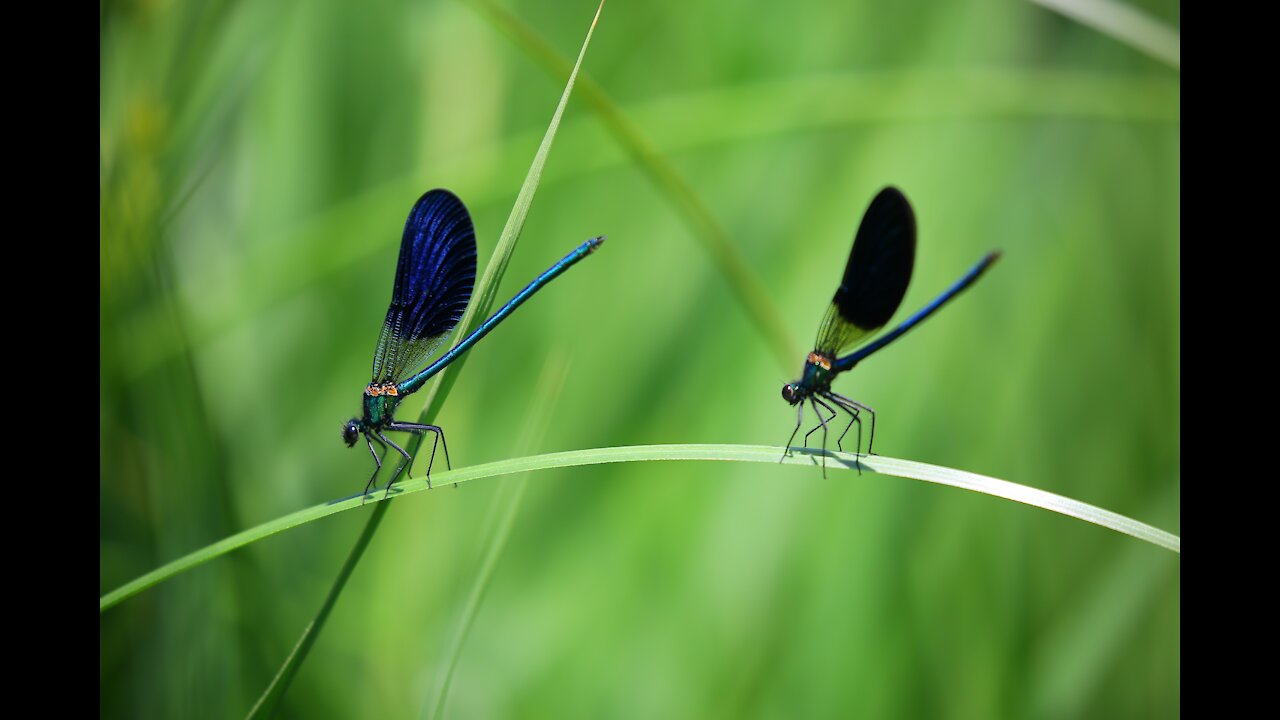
{"x": 1076, "y": 652}
{"x": 1125, "y": 23}
{"x": 487, "y": 288}
{"x": 547, "y": 392}
{"x": 482, "y": 300}
{"x": 640, "y": 453}
{"x": 266, "y": 704}
{"x": 751, "y": 292}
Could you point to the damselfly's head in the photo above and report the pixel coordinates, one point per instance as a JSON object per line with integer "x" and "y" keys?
{"x": 351, "y": 431}
{"x": 791, "y": 393}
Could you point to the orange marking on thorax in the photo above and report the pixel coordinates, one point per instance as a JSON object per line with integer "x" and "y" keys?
{"x": 376, "y": 390}
{"x": 820, "y": 360}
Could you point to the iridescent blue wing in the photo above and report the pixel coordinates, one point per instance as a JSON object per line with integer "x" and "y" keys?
{"x": 434, "y": 277}
{"x": 876, "y": 276}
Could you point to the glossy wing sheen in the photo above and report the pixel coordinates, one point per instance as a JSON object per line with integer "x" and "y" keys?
{"x": 434, "y": 277}
{"x": 876, "y": 277}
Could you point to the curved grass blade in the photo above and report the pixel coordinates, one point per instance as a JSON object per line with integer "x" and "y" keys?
{"x": 485, "y": 290}
{"x": 487, "y": 287}
{"x": 547, "y": 391}
{"x": 751, "y": 293}
{"x": 266, "y": 704}
{"x": 1076, "y": 652}
{"x": 639, "y": 453}
{"x": 1126, "y": 24}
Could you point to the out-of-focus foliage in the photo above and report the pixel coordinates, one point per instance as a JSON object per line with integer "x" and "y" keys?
{"x": 257, "y": 163}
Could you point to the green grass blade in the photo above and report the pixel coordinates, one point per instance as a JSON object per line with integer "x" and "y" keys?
{"x": 750, "y": 291}
{"x": 1079, "y": 648}
{"x": 1126, "y": 24}
{"x": 546, "y": 393}
{"x": 485, "y": 291}
{"x": 487, "y": 287}
{"x": 641, "y": 453}
{"x": 266, "y": 704}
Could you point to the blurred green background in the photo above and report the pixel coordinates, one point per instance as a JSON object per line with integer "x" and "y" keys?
{"x": 258, "y": 160}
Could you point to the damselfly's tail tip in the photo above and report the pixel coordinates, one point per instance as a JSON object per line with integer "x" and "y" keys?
{"x": 594, "y": 243}
{"x": 990, "y": 258}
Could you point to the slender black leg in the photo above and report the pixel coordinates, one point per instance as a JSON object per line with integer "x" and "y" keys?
{"x": 435, "y": 440}
{"x": 377, "y": 463}
{"x": 869, "y": 411}
{"x": 857, "y": 455}
{"x": 408, "y": 460}
{"x": 820, "y": 424}
{"x": 853, "y": 418}
{"x": 799, "y": 421}
{"x": 417, "y": 429}
{"x": 814, "y": 402}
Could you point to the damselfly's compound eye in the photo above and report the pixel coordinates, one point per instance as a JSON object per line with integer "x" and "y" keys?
{"x": 791, "y": 393}
{"x": 351, "y": 432}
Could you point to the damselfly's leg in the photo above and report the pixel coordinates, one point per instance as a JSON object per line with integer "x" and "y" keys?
{"x": 799, "y": 421}
{"x": 377, "y": 463}
{"x": 417, "y": 429}
{"x": 853, "y": 418}
{"x": 864, "y": 408}
{"x": 814, "y": 402}
{"x": 408, "y": 460}
{"x": 821, "y": 424}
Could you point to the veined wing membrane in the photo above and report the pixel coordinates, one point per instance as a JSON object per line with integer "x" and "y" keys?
{"x": 434, "y": 279}
{"x": 876, "y": 276}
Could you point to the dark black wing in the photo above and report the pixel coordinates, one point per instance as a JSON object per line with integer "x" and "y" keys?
{"x": 434, "y": 277}
{"x": 876, "y": 277}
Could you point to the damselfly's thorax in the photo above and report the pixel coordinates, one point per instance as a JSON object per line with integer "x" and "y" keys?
{"x": 380, "y": 405}
{"x": 384, "y": 388}
{"x": 816, "y": 377}
{"x": 380, "y": 400}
